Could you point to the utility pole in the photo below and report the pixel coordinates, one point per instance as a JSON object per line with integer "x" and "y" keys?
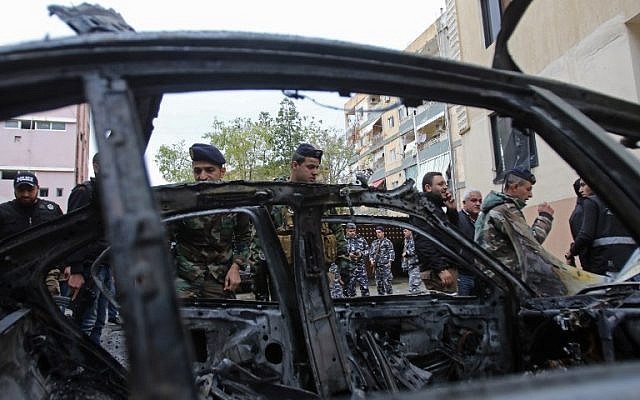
{"x": 415, "y": 139}
{"x": 452, "y": 160}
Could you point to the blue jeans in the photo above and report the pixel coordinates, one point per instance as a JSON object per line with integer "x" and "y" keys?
{"x": 112, "y": 311}
{"x": 466, "y": 284}
{"x": 95, "y": 316}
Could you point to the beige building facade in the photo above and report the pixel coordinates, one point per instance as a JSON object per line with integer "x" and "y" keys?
{"x": 591, "y": 43}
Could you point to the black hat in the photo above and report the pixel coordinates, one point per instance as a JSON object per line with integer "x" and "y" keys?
{"x": 206, "y": 152}
{"x": 351, "y": 225}
{"x": 523, "y": 173}
{"x": 25, "y": 178}
{"x": 307, "y": 150}
{"x": 380, "y": 228}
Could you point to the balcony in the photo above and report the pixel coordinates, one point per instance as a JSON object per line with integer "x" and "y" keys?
{"x": 426, "y": 114}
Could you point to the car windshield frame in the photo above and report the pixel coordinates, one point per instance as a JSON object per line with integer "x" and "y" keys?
{"x": 122, "y": 75}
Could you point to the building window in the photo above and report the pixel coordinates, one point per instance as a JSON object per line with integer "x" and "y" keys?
{"x": 512, "y": 146}
{"x": 45, "y": 125}
{"x": 58, "y": 126}
{"x": 12, "y": 124}
{"x": 8, "y": 174}
{"x": 59, "y": 192}
{"x": 40, "y": 125}
{"x": 491, "y": 20}
{"x": 390, "y": 122}
{"x": 26, "y": 124}
{"x": 403, "y": 113}
{"x": 44, "y": 192}
{"x": 392, "y": 154}
{"x": 17, "y": 139}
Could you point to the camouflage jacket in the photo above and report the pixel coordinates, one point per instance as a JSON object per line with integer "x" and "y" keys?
{"x": 502, "y": 230}
{"x": 210, "y": 244}
{"x": 360, "y": 248}
{"x": 282, "y": 217}
{"x": 409, "y": 256}
{"x": 381, "y": 252}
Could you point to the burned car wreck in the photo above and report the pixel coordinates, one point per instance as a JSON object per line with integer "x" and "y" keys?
{"x": 303, "y": 344}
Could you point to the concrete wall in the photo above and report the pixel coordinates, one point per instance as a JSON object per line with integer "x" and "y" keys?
{"x": 50, "y": 154}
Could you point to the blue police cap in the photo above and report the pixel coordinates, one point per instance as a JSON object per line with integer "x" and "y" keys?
{"x": 25, "y": 178}
{"x": 307, "y": 150}
{"x": 523, "y": 173}
{"x": 351, "y": 225}
{"x": 206, "y": 152}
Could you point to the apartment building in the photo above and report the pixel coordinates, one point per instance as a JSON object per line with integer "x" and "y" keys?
{"x": 393, "y": 143}
{"x": 53, "y": 144}
{"x": 591, "y": 43}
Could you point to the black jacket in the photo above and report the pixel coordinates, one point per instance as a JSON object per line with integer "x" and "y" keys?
{"x": 86, "y": 194}
{"x": 604, "y": 241}
{"x": 575, "y": 223}
{"x": 466, "y": 225}
{"x": 429, "y": 254}
{"x": 15, "y": 218}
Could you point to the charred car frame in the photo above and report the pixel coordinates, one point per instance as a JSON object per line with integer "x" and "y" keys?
{"x": 305, "y": 344}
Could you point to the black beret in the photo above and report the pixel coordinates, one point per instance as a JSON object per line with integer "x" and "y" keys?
{"x": 523, "y": 173}
{"x": 206, "y": 152}
{"x": 307, "y": 150}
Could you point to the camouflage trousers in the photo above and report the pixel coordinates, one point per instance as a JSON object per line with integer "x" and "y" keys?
{"x": 415, "y": 282}
{"x": 358, "y": 276}
{"x": 335, "y": 287}
{"x": 52, "y": 282}
{"x": 383, "y": 279}
{"x": 207, "y": 288}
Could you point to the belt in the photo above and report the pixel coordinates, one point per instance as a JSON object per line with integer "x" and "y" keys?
{"x": 607, "y": 241}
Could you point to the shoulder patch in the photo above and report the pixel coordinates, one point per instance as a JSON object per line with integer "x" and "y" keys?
{"x": 50, "y": 206}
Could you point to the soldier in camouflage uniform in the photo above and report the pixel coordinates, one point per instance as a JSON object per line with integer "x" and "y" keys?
{"x": 381, "y": 255}
{"x": 410, "y": 262}
{"x": 358, "y": 250}
{"x": 210, "y": 250}
{"x": 502, "y": 230}
{"x": 261, "y": 287}
{"x": 305, "y": 164}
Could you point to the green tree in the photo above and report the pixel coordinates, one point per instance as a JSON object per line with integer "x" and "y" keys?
{"x": 287, "y": 132}
{"x": 262, "y": 149}
{"x": 335, "y": 160}
{"x": 174, "y": 162}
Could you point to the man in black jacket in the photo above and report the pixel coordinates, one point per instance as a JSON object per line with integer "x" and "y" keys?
{"x": 471, "y": 203}
{"x": 91, "y": 306}
{"x": 437, "y": 271}
{"x": 27, "y": 210}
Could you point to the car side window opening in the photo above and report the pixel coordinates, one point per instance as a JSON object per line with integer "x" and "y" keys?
{"x": 219, "y": 255}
